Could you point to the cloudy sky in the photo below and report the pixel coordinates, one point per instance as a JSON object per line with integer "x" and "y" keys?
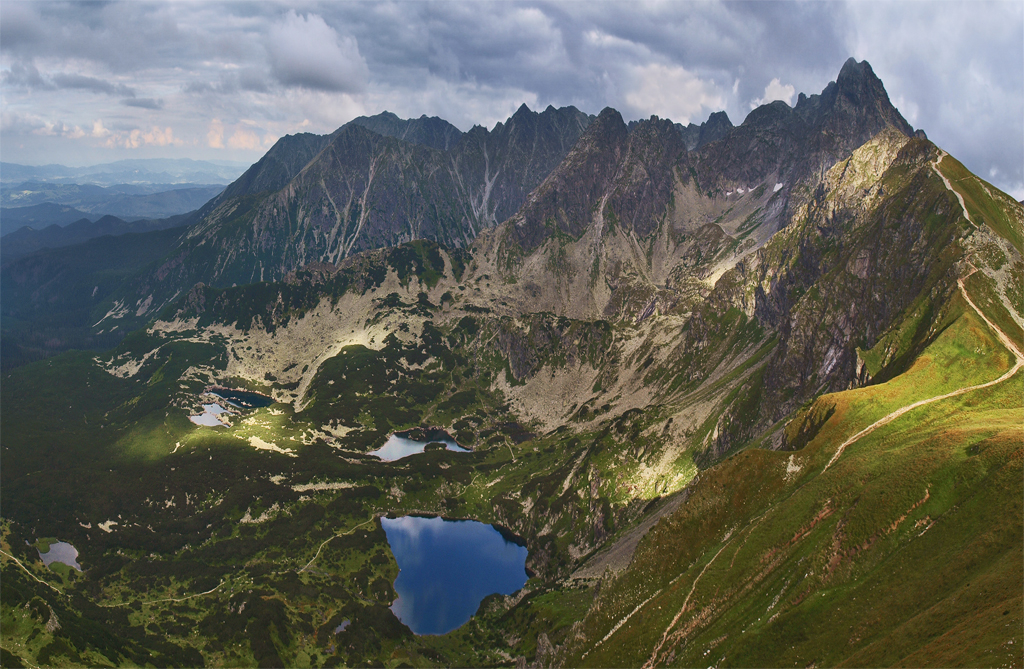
{"x": 86, "y": 83}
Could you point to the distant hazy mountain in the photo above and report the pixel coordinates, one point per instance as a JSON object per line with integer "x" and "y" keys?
{"x": 127, "y": 201}
{"x": 139, "y": 171}
{"x": 26, "y": 240}
{"x": 47, "y": 297}
{"x": 39, "y": 216}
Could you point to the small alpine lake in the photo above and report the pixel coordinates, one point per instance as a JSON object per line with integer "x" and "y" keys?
{"x": 62, "y": 552}
{"x": 242, "y": 399}
{"x": 403, "y": 444}
{"x": 447, "y": 567}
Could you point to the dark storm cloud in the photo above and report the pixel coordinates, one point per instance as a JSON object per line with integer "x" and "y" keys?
{"x": 62, "y": 80}
{"x": 123, "y": 36}
{"x": 250, "y": 79}
{"x": 586, "y": 54}
{"x": 21, "y": 27}
{"x": 305, "y": 51}
{"x": 27, "y": 75}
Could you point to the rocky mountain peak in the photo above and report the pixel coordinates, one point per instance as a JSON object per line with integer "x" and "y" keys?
{"x": 716, "y": 127}
{"x": 773, "y": 113}
{"x": 278, "y": 166}
{"x": 524, "y": 110}
{"x": 426, "y": 130}
{"x": 857, "y": 74}
{"x": 819, "y": 131}
{"x": 858, "y": 95}
{"x": 607, "y": 131}
{"x": 564, "y": 200}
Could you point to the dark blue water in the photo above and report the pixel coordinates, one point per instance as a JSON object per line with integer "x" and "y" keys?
{"x": 447, "y": 568}
{"x": 243, "y": 399}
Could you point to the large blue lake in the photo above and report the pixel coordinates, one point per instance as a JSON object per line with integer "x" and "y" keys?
{"x": 447, "y": 568}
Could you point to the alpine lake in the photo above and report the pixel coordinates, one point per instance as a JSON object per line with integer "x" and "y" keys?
{"x": 447, "y": 567}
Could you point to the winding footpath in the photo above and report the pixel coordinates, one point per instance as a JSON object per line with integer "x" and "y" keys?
{"x": 1010, "y": 345}
{"x": 949, "y": 186}
{"x": 1003, "y": 338}
{"x": 340, "y": 534}
{"x": 19, "y": 563}
{"x": 664, "y": 636}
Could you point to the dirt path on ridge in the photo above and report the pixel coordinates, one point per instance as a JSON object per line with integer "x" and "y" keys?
{"x": 1003, "y": 338}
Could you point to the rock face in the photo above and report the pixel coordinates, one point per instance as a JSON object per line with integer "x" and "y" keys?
{"x": 280, "y": 165}
{"x": 794, "y": 143}
{"x": 376, "y": 182}
{"x": 633, "y": 219}
{"x": 804, "y": 230}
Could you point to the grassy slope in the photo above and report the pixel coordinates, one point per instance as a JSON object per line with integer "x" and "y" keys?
{"x": 907, "y": 550}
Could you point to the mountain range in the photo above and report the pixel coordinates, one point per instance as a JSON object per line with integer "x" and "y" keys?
{"x": 134, "y": 171}
{"x": 39, "y": 205}
{"x": 749, "y": 395}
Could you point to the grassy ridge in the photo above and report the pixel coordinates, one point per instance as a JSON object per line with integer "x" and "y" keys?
{"x": 889, "y": 556}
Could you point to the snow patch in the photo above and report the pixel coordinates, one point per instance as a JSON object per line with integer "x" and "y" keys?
{"x": 107, "y": 526}
{"x": 778, "y": 187}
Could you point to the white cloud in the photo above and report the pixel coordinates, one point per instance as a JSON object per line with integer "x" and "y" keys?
{"x": 215, "y": 136}
{"x": 245, "y": 139}
{"x": 672, "y": 92}
{"x": 775, "y": 90}
{"x": 305, "y": 51}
